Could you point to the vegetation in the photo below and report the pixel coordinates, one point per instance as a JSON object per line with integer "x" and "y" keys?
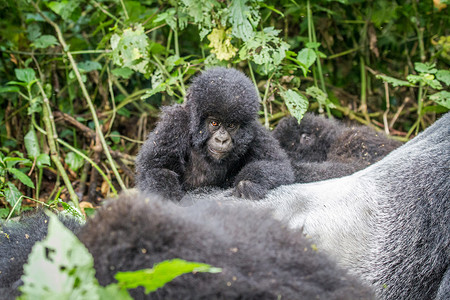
{"x": 82, "y": 82}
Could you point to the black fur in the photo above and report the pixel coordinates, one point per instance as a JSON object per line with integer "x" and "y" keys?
{"x": 175, "y": 158}
{"x": 16, "y": 241}
{"x": 321, "y": 148}
{"x": 260, "y": 258}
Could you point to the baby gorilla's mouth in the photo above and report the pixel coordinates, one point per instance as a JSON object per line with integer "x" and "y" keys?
{"x": 217, "y": 153}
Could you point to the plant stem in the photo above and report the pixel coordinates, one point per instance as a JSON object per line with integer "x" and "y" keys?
{"x": 51, "y": 137}
{"x": 85, "y": 94}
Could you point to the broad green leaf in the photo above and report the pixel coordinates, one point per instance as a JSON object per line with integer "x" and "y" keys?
{"x": 13, "y": 195}
{"x": 89, "y": 65}
{"x": 44, "y": 41}
{"x": 64, "y": 8}
{"x": 425, "y": 68}
{"x": 22, "y": 177}
{"x": 69, "y": 267}
{"x": 307, "y": 57}
{"x": 43, "y": 160}
{"x": 393, "y": 81}
{"x": 444, "y": 76}
{"x": 9, "y": 89}
{"x": 161, "y": 273}
{"x": 74, "y": 161}
{"x": 25, "y": 75}
{"x": 12, "y": 161}
{"x": 122, "y": 72}
{"x": 115, "y": 136}
{"x": 442, "y": 98}
{"x": 241, "y": 17}
{"x": 296, "y": 103}
{"x": 32, "y": 144}
{"x": 34, "y": 31}
{"x": 425, "y": 79}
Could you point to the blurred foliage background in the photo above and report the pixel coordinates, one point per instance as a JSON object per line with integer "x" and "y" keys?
{"x": 82, "y": 81}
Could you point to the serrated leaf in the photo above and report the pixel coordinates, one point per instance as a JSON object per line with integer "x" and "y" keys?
{"x": 44, "y": 41}
{"x": 25, "y": 75}
{"x": 442, "y": 98}
{"x": 69, "y": 267}
{"x": 320, "y": 96}
{"x": 131, "y": 49}
{"x": 241, "y": 16}
{"x": 34, "y": 31}
{"x": 74, "y": 161}
{"x": 425, "y": 68}
{"x": 444, "y": 76}
{"x": 160, "y": 274}
{"x": 22, "y": 177}
{"x": 32, "y": 144}
{"x": 13, "y": 195}
{"x": 122, "y": 72}
{"x": 393, "y": 81}
{"x": 296, "y": 103}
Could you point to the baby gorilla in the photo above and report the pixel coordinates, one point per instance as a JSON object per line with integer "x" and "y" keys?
{"x": 321, "y": 148}
{"x": 213, "y": 140}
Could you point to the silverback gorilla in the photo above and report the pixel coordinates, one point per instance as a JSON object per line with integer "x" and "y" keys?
{"x": 213, "y": 140}
{"x": 388, "y": 223}
{"x": 321, "y": 148}
{"x": 260, "y": 258}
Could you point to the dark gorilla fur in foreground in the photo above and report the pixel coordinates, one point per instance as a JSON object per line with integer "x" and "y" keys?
{"x": 214, "y": 140}
{"x": 321, "y": 148}
{"x": 260, "y": 258}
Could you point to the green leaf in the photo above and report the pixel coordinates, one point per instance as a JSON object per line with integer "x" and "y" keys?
{"x": 69, "y": 267}
{"x": 320, "y": 96}
{"x": 307, "y": 57}
{"x": 242, "y": 18}
{"x": 74, "y": 161}
{"x": 12, "y": 161}
{"x": 64, "y": 8}
{"x": 425, "y": 68}
{"x": 9, "y": 89}
{"x": 44, "y": 41}
{"x": 220, "y": 42}
{"x": 442, "y": 98}
{"x": 296, "y": 103}
{"x": 444, "y": 76}
{"x": 131, "y": 49}
{"x": 393, "y": 81}
{"x": 89, "y": 65}
{"x": 25, "y": 75}
{"x": 34, "y": 31}
{"x": 122, "y": 72}
{"x": 22, "y": 177}
{"x": 32, "y": 144}
{"x": 43, "y": 160}
{"x": 13, "y": 195}
{"x": 115, "y": 137}
{"x": 160, "y": 274}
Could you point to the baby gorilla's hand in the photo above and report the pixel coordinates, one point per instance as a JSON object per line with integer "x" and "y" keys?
{"x": 250, "y": 190}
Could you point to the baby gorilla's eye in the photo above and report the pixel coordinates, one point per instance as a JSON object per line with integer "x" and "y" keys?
{"x": 214, "y": 123}
{"x": 231, "y": 126}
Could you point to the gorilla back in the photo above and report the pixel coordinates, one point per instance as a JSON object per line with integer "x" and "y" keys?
{"x": 389, "y": 222}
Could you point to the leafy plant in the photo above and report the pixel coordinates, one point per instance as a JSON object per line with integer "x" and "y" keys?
{"x": 60, "y": 267}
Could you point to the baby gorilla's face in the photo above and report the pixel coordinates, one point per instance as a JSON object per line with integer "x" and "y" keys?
{"x": 220, "y": 141}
